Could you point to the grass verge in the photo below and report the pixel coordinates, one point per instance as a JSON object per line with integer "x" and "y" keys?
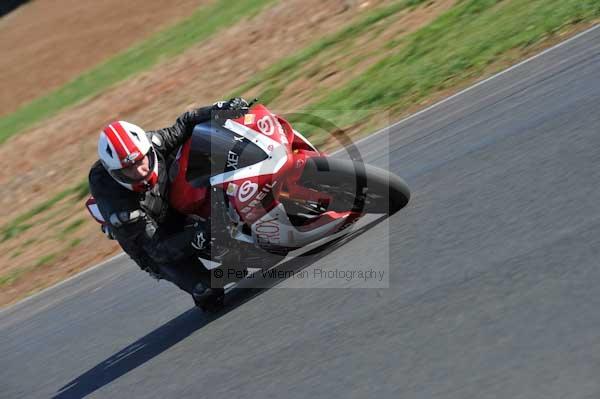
{"x": 281, "y": 73}
{"x": 21, "y": 223}
{"x": 458, "y": 45}
{"x": 167, "y": 43}
{"x": 56, "y": 211}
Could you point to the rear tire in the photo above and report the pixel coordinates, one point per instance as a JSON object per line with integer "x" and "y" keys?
{"x": 356, "y": 186}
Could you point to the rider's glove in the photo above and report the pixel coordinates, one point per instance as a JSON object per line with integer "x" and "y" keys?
{"x": 230, "y": 109}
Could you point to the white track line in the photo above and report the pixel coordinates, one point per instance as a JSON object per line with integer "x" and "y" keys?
{"x": 427, "y": 109}
{"x": 60, "y": 283}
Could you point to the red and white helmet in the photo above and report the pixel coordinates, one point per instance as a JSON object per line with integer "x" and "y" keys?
{"x": 122, "y": 144}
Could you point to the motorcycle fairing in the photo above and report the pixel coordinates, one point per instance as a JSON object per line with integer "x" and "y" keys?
{"x": 215, "y": 150}
{"x": 276, "y": 152}
{"x": 184, "y": 196}
{"x": 275, "y": 229}
{"x": 270, "y": 158}
{"x": 234, "y": 157}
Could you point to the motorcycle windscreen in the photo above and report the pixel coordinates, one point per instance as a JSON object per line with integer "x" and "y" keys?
{"x": 215, "y": 150}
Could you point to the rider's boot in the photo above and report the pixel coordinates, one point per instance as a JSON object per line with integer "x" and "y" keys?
{"x": 207, "y": 298}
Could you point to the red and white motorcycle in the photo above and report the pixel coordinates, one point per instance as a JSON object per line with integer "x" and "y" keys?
{"x": 269, "y": 188}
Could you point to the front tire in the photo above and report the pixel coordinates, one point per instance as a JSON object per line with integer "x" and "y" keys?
{"x": 356, "y": 186}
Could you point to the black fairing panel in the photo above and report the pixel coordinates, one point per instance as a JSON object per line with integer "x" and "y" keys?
{"x": 215, "y": 150}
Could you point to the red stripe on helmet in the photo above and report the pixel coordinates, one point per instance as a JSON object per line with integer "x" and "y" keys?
{"x": 116, "y": 143}
{"x": 131, "y": 146}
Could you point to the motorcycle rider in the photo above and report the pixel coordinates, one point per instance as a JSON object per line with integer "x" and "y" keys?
{"x": 130, "y": 183}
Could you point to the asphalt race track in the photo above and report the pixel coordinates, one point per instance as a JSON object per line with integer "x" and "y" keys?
{"x": 494, "y": 283}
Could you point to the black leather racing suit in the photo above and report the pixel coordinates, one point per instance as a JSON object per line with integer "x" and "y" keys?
{"x": 148, "y": 230}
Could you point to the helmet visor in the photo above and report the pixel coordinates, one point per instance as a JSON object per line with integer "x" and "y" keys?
{"x": 120, "y": 174}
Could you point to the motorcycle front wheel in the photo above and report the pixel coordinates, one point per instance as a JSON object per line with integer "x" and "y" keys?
{"x": 355, "y": 186}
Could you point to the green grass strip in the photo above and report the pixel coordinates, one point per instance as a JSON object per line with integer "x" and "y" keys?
{"x": 45, "y": 259}
{"x": 72, "y": 227}
{"x": 284, "y": 71}
{"x": 457, "y": 45}
{"x": 19, "y": 225}
{"x": 9, "y": 278}
{"x": 172, "y": 41}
